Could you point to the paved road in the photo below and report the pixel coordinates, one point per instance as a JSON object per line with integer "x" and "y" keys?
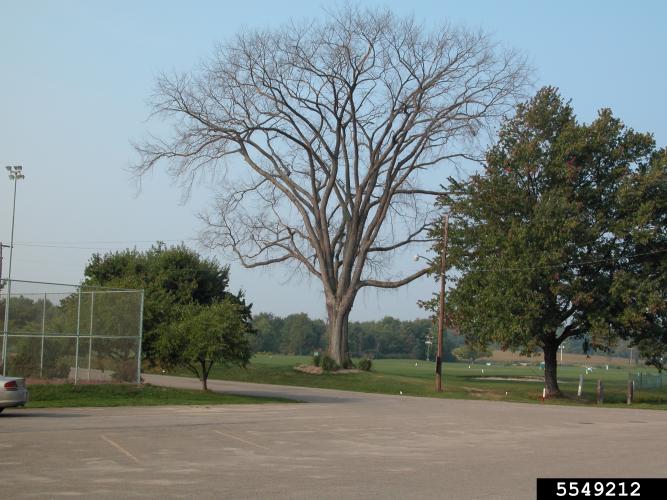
{"x": 339, "y": 445}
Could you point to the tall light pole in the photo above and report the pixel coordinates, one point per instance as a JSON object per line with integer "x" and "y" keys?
{"x": 15, "y": 174}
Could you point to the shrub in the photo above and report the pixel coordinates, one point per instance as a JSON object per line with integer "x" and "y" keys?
{"x": 347, "y": 364}
{"x": 126, "y": 371}
{"x": 54, "y": 363}
{"x": 328, "y": 364}
{"x": 316, "y": 359}
{"x": 58, "y": 369}
{"x": 365, "y": 364}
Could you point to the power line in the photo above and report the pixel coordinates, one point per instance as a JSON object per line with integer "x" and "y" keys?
{"x": 98, "y": 241}
{"x": 66, "y": 246}
{"x": 576, "y": 264}
{"x": 76, "y": 245}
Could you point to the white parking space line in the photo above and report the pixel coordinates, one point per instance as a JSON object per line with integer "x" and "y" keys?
{"x": 230, "y": 436}
{"x": 120, "y": 448}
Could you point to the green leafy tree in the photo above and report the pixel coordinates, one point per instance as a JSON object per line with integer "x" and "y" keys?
{"x": 300, "y": 335}
{"x": 169, "y": 277}
{"x": 205, "y": 335}
{"x": 471, "y": 353}
{"x": 25, "y": 314}
{"x": 268, "y": 337}
{"x": 640, "y": 285}
{"x": 537, "y": 237}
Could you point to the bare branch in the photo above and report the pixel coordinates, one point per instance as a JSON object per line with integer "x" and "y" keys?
{"x": 394, "y": 284}
{"x": 319, "y": 132}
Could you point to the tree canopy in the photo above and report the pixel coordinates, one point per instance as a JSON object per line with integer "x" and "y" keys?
{"x": 545, "y": 240}
{"x": 204, "y": 335}
{"x": 170, "y": 277}
{"x": 327, "y": 125}
{"x": 640, "y": 284}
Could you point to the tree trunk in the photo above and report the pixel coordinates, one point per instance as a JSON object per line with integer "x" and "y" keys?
{"x": 338, "y": 320}
{"x": 204, "y": 375}
{"x": 550, "y": 370}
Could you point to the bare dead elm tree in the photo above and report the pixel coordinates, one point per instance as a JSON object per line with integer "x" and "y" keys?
{"x": 321, "y": 130}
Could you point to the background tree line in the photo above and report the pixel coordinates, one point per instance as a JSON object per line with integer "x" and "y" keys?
{"x": 386, "y": 338}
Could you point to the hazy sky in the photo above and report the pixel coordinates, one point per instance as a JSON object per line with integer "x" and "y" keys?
{"x": 75, "y": 77}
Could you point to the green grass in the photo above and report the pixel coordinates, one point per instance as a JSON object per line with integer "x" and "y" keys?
{"x": 68, "y": 395}
{"x": 417, "y": 378}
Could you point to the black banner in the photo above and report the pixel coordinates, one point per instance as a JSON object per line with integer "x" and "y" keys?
{"x": 640, "y": 488}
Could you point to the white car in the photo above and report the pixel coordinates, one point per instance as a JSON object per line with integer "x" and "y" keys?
{"x": 13, "y": 392}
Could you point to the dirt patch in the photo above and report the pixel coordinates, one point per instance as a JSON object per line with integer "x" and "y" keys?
{"x": 485, "y": 394}
{"x": 316, "y": 370}
{"x": 309, "y": 369}
{"x": 47, "y": 381}
{"x": 513, "y": 379}
{"x": 475, "y": 390}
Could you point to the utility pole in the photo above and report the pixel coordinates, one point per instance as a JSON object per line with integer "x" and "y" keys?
{"x": 441, "y": 308}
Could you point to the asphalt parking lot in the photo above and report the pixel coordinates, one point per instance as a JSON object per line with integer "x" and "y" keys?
{"x": 339, "y": 445}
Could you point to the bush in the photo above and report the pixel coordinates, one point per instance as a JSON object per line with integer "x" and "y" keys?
{"x": 54, "y": 364}
{"x": 365, "y": 364}
{"x": 316, "y": 359}
{"x": 328, "y": 364}
{"x": 470, "y": 353}
{"x": 126, "y": 371}
{"x": 347, "y": 364}
{"x": 58, "y": 369}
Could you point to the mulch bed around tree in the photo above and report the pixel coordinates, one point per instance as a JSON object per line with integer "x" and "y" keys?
{"x": 316, "y": 370}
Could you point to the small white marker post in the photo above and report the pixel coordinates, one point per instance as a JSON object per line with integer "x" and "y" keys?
{"x": 581, "y": 385}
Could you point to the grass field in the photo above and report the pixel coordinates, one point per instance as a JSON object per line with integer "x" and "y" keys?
{"x": 68, "y": 395}
{"x": 507, "y": 357}
{"x": 416, "y": 378}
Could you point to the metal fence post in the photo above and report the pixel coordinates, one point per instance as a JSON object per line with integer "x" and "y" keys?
{"x": 41, "y": 354}
{"x": 78, "y": 326}
{"x": 141, "y": 334}
{"x": 90, "y": 331}
{"x": 630, "y": 395}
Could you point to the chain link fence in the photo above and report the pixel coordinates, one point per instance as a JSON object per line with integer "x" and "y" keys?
{"x": 74, "y": 333}
{"x": 647, "y": 380}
